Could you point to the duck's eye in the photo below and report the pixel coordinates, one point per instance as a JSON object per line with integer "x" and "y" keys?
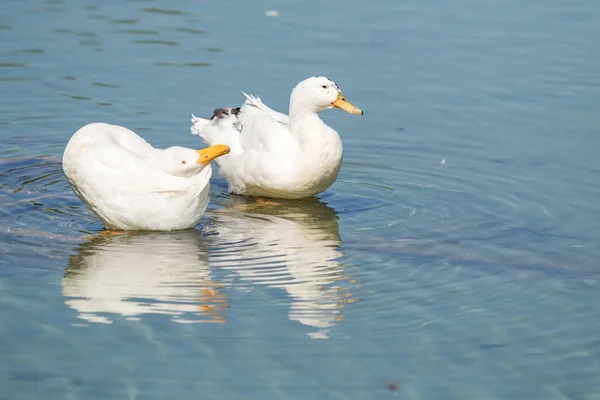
{"x": 183, "y": 162}
{"x": 324, "y": 86}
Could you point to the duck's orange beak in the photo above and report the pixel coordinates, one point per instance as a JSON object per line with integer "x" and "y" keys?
{"x": 210, "y": 153}
{"x": 345, "y": 105}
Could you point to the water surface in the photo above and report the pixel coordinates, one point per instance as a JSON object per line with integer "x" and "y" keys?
{"x": 454, "y": 258}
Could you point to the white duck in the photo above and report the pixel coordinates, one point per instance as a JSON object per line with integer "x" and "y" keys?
{"x": 273, "y": 155}
{"x": 130, "y": 185}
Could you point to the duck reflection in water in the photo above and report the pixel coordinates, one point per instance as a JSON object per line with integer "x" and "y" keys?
{"x": 290, "y": 245}
{"x": 138, "y": 273}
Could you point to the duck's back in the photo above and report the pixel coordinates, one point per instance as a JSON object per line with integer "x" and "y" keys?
{"x": 104, "y": 165}
{"x": 99, "y": 132}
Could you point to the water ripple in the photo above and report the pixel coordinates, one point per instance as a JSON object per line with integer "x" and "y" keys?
{"x": 158, "y": 42}
{"x": 134, "y": 274}
{"x": 162, "y": 11}
{"x": 37, "y": 200}
{"x": 126, "y": 21}
{"x": 294, "y": 247}
{"x": 290, "y": 246}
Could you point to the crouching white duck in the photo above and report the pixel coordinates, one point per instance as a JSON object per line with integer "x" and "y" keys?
{"x": 276, "y": 155}
{"x": 130, "y": 185}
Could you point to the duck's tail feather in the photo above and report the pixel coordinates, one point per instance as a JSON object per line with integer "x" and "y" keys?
{"x": 223, "y": 128}
{"x": 198, "y": 125}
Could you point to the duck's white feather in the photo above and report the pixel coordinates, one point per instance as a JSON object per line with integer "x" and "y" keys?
{"x": 273, "y": 154}
{"x": 108, "y": 167}
{"x": 257, "y": 102}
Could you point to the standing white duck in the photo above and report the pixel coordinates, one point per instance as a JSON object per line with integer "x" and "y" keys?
{"x": 275, "y": 155}
{"x": 130, "y": 185}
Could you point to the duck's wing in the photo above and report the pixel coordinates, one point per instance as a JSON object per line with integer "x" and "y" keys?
{"x": 252, "y": 127}
{"x": 262, "y": 128}
{"x": 256, "y": 102}
{"x": 117, "y": 171}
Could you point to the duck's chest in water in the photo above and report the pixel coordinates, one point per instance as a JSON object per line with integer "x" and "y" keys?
{"x": 321, "y": 171}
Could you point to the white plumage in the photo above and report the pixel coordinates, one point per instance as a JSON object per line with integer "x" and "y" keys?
{"x": 276, "y": 155}
{"x": 130, "y": 185}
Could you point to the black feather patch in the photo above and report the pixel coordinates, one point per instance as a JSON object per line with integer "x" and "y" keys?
{"x": 224, "y": 112}
{"x": 219, "y": 113}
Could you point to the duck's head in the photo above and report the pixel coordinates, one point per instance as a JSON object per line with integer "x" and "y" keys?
{"x": 184, "y": 162}
{"x": 319, "y": 93}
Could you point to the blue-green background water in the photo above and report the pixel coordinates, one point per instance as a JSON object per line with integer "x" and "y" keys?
{"x": 456, "y": 257}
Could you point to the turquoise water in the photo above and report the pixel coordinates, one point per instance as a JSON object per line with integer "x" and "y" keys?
{"x": 456, "y": 257}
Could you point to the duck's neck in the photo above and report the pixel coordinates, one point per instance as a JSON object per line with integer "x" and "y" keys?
{"x": 310, "y": 131}
{"x": 161, "y": 160}
{"x": 158, "y": 158}
{"x": 299, "y": 111}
